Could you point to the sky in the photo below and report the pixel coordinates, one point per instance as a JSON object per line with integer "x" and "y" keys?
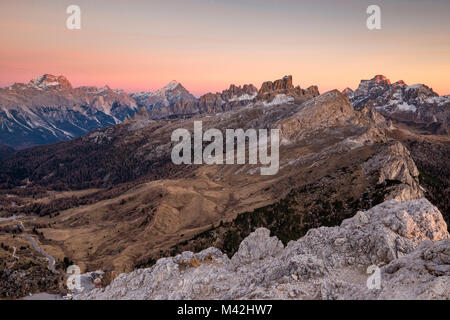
{"x": 209, "y": 44}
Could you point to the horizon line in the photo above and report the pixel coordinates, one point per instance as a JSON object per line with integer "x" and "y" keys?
{"x": 197, "y": 94}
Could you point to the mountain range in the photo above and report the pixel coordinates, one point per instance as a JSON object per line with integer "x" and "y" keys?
{"x": 48, "y": 109}
{"x": 113, "y": 200}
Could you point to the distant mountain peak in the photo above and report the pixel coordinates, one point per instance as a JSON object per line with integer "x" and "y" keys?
{"x": 172, "y": 93}
{"x": 414, "y": 104}
{"x": 284, "y": 86}
{"x": 348, "y": 92}
{"x": 379, "y": 78}
{"x": 49, "y": 81}
{"x": 172, "y": 85}
{"x": 400, "y": 84}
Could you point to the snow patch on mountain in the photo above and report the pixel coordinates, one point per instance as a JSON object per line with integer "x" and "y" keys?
{"x": 244, "y": 97}
{"x": 406, "y": 107}
{"x": 440, "y": 101}
{"x": 162, "y": 92}
{"x": 141, "y": 95}
{"x": 279, "y": 99}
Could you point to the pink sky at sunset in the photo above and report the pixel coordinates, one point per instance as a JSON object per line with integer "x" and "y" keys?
{"x": 209, "y": 44}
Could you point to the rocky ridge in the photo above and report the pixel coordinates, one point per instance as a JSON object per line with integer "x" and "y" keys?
{"x": 408, "y": 240}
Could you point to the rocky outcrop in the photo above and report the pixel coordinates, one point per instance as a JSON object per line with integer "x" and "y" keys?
{"x": 278, "y": 86}
{"x": 408, "y": 241}
{"x": 395, "y": 164}
{"x": 283, "y": 87}
{"x": 232, "y": 98}
{"x": 424, "y": 274}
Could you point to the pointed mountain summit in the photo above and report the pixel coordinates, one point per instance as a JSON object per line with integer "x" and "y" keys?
{"x": 400, "y": 84}
{"x": 348, "y": 92}
{"x": 238, "y": 93}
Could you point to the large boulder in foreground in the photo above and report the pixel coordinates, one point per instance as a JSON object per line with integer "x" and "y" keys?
{"x": 408, "y": 241}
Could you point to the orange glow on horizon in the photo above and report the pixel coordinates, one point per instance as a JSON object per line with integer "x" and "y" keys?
{"x": 208, "y": 45}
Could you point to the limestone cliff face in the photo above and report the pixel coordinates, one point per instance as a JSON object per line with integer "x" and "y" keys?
{"x": 395, "y": 164}
{"x": 270, "y": 90}
{"x": 407, "y": 240}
